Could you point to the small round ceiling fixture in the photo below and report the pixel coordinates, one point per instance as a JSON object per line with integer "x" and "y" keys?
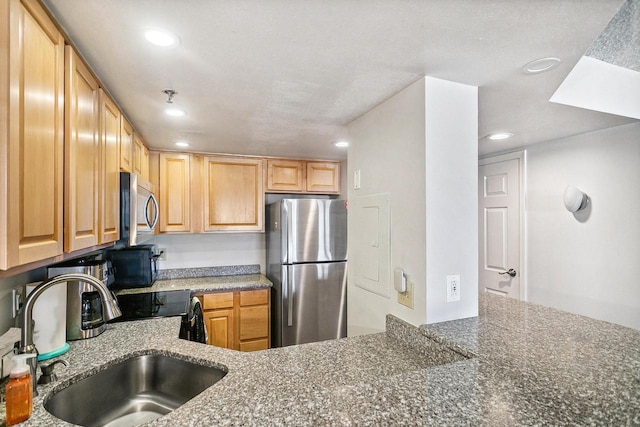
{"x": 161, "y": 37}
{"x": 182, "y": 144}
{"x": 174, "y": 112}
{"x": 341, "y": 144}
{"x": 499, "y": 136}
{"x": 541, "y": 65}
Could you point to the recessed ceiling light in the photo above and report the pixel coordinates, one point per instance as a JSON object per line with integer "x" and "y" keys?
{"x": 541, "y": 65}
{"x": 175, "y": 112}
{"x": 499, "y": 136}
{"x": 161, "y": 37}
{"x": 341, "y": 144}
{"x": 182, "y": 144}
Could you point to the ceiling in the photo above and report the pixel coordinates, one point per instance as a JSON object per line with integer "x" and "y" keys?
{"x": 285, "y": 77}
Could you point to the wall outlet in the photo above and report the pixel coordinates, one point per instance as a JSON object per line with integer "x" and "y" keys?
{"x": 453, "y": 288}
{"x": 406, "y": 297}
{"x": 163, "y": 254}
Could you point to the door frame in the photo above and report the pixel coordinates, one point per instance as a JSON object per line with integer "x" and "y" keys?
{"x": 522, "y": 157}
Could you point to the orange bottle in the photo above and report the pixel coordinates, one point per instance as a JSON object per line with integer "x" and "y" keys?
{"x": 19, "y": 391}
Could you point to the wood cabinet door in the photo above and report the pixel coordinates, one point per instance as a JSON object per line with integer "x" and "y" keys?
{"x": 109, "y": 172}
{"x": 220, "y": 328}
{"x": 254, "y": 297}
{"x": 254, "y": 345}
{"x": 81, "y": 159}
{"x": 323, "y": 177}
{"x": 253, "y": 322}
{"x": 32, "y": 125}
{"x": 175, "y": 192}
{"x": 138, "y": 149}
{"x": 285, "y": 175}
{"x": 144, "y": 167}
{"x": 233, "y": 194}
{"x": 126, "y": 145}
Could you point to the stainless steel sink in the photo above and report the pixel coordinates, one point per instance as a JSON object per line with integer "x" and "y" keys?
{"x": 132, "y": 392}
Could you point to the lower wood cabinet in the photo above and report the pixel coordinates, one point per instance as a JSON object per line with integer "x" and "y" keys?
{"x": 239, "y": 320}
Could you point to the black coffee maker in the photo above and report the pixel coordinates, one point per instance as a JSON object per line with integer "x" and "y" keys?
{"x": 84, "y": 305}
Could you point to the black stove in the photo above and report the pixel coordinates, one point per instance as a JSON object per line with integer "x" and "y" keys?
{"x": 149, "y": 305}
{"x": 154, "y": 304}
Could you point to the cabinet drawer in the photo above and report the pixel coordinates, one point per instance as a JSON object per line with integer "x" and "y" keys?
{"x": 254, "y": 322}
{"x": 217, "y": 300}
{"x": 255, "y": 297}
{"x": 255, "y": 345}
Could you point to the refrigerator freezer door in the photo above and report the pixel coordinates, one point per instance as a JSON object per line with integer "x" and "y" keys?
{"x": 316, "y": 230}
{"x": 314, "y": 303}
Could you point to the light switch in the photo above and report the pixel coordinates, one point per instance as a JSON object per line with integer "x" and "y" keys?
{"x": 356, "y": 180}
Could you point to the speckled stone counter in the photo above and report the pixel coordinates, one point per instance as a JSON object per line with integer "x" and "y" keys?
{"x": 298, "y": 385}
{"x": 529, "y": 365}
{"x": 538, "y": 365}
{"x": 205, "y": 284}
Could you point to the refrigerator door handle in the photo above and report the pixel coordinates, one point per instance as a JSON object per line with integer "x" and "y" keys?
{"x": 290, "y": 291}
{"x": 287, "y": 293}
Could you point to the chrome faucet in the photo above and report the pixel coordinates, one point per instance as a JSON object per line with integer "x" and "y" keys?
{"x": 110, "y": 311}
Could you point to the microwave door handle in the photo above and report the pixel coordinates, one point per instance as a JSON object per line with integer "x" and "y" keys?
{"x": 151, "y": 224}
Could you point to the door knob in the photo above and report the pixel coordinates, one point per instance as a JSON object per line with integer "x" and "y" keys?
{"x": 511, "y": 272}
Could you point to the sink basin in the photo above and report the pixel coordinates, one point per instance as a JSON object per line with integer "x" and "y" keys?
{"x": 132, "y": 392}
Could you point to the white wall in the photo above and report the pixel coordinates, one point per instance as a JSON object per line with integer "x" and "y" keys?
{"x": 6, "y": 287}
{"x": 420, "y": 147}
{"x": 212, "y": 250}
{"x": 387, "y": 146}
{"x": 451, "y": 197}
{"x": 588, "y": 266}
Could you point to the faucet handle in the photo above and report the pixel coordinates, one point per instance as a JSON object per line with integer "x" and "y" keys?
{"x": 48, "y": 375}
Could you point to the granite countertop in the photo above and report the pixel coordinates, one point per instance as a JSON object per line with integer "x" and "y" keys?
{"x": 206, "y": 279}
{"x": 516, "y": 364}
{"x": 205, "y": 284}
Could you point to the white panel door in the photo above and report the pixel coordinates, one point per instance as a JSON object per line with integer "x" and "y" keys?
{"x": 499, "y": 227}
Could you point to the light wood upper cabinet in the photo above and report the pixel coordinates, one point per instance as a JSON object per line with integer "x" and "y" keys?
{"x": 302, "y": 176}
{"x": 285, "y": 175}
{"x": 126, "y": 145}
{"x": 31, "y": 134}
{"x": 323, "y": 177}
{"x": 80, "y": 151}
{"x": 144, "y": 169}
{"x": 233, "y": 194}
{"x": 175, "y": 192}
{"x": 140, "y": 157}
{"x": 109, "y": 171}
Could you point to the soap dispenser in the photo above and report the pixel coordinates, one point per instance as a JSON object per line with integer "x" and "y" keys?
{"x": 19, "y": 391}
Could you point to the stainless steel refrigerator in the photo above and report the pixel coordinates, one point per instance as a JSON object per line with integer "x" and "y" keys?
{"x": 307, "y": 263}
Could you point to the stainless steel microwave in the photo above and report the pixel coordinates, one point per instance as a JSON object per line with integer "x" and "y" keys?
{"x": 138, "y": 209}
